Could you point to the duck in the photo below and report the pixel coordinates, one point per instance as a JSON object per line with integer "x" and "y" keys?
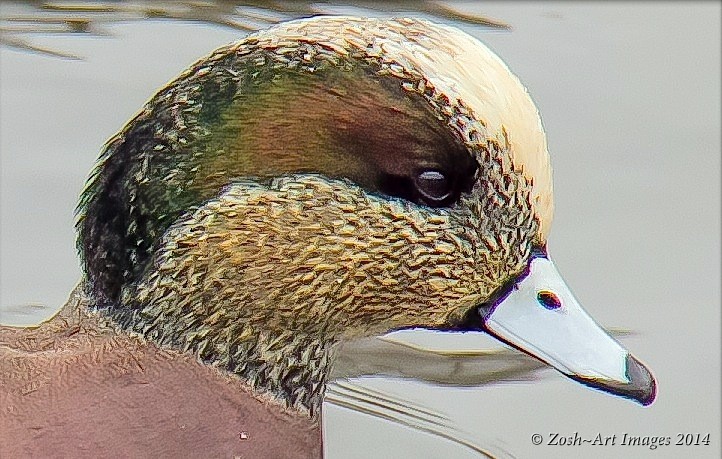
{"x": 325, "y": 180}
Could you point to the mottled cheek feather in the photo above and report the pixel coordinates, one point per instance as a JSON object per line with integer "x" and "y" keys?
{"x": 313, "y": 252}
{"x": 318, "y": 260}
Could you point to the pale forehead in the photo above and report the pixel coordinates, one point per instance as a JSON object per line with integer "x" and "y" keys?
{"x": 458, "y": 66}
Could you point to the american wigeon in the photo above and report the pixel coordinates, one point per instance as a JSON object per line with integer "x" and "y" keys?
{"x": 325, "y": 180}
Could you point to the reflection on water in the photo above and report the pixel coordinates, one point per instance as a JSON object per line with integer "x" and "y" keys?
{"x": 92, "y": 18}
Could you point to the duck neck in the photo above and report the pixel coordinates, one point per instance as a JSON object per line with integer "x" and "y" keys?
{"x": 289, "y": 367}
{"x": 286, "y": 366}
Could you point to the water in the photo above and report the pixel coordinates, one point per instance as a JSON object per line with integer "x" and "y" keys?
{"x": 630, "y": 98}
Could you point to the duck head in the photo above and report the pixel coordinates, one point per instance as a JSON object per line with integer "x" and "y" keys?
{"x": 329, "y": 179}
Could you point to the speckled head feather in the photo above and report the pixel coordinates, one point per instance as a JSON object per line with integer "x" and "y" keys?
{"x": 323, "y": 180}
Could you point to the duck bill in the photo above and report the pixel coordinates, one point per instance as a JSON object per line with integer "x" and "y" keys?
{"x": 537, "y": 314}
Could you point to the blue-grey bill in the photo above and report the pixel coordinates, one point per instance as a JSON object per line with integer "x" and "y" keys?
{"x": 540, "y": 316}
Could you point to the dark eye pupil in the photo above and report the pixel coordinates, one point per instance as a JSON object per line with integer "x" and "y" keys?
{"x": 433, "y": 185}
{"x": 548, "y": 299}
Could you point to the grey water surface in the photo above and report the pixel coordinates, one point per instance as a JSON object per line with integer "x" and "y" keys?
{"x": 630, "y": 98}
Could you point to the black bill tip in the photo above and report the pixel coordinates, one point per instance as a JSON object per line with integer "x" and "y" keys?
{"x": 642, "y": 387}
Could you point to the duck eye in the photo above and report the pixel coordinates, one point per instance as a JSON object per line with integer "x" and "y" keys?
{"x": 548, "y": 299}
{"x": 433, "y": 185}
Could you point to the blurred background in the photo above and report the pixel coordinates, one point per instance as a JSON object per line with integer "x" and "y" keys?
{"x": 630, "y": 98}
